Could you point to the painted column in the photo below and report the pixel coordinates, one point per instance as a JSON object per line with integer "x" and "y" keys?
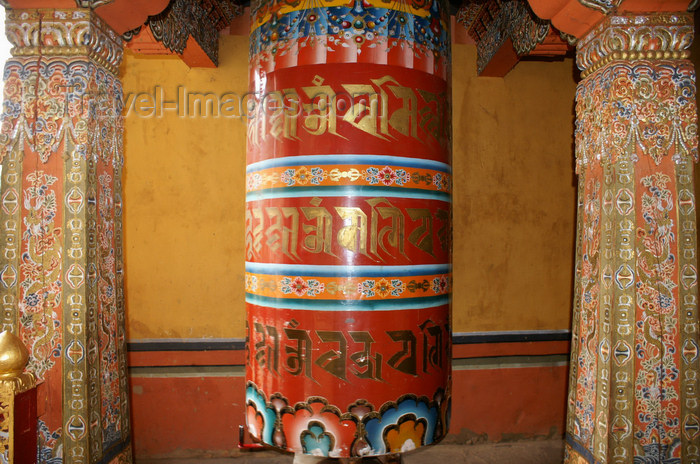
{"x": 348, "y": 233}
{"x": 60, "y": 231}
{"x": 633, "y": 392}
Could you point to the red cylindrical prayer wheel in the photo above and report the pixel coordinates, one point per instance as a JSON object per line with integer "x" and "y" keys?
{"x": 348, "y": 226}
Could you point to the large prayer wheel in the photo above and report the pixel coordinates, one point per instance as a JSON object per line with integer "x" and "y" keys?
{"x": 348, "y": 232}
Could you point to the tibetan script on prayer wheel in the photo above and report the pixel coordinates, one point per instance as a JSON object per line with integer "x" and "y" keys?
{"x": 348, "y": 226}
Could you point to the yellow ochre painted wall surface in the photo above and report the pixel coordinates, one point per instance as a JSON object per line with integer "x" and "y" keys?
{"x": 184, "y": 192}
{"x": 514, "y": 203}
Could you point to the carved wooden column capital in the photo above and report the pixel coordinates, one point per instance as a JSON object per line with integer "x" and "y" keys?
{"x": 120, "y": 15}
{"x": 632, "y": 36}
{"x": 69, "y": 33}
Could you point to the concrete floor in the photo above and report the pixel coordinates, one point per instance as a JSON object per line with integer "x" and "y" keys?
{"x": 522, "y": 452}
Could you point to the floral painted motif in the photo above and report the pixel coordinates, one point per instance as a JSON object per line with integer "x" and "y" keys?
{"x": 41, "y": 284}
{"x": 287, "y": 177}
{"x": 381, "y": 288}
{"x": 366, "y": 288}
{"x": 405, "y": 436}
{"x": 299, "y": 176}
{"x": 260, "y": 417}
{"x": 63, "y": 114}
{"x": 657, "y": 400}
{"x": 357, "y": 22}
{"x": 588, "y": 313}
{"x": 110, "y": 394}
{"x": 441, "y": 285}
{"x": 301, "y": 287}
{"x": 404, "y": 425}
{"x": 650, "y": 107}
{"x": 393, "y": 287}
{"x": 316, "y": 441}
{"x": 386, "y": 176}
{"x": 253, "y": 181}
{"x": 251, "y": 282}
{"x": 47, "y": 452}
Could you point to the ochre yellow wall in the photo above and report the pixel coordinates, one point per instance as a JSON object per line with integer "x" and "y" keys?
{"x": 184, "y": 195}
{"x": 514, "y": 200}
{"x": 514, "y": 196}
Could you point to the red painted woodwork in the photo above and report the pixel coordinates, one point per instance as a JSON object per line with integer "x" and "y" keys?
{"x": 497, "y": 404}
{"x": 121, "y": 15}
{"x": 572, "y": 17}
{"x": 25, "y": 423}
{"x": 503, "y": 61}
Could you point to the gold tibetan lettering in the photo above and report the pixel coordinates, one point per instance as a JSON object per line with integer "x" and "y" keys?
{"x": 299, "y": 355}
{"x": 445, "y": 231}
{"x": 282, "y": 108}
{"x": 253, "y": 232}
{"x": 432, "y": 351}
{"x": 278, "y": 234}
{"x": 320, "y": 114}
{"x": 364, "y": 111}
{"x": 431, "y": 115}
{"x": 422, "y": 236}
{"x": 333, "y": 361}
{"x": 393, "y": 234}
{"x": 353, "y": 235}
{"x": 405, "y": 359}
{"x": 366, "y": 365}
{"x": 319, "y": 237}
{"x": 404, "y": 120}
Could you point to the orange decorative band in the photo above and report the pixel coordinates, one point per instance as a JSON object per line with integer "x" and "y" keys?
{"x": 347, "y": 288}
{"x": 344, "y": 288}
{"x": 652, "y": 36}
{"x": 388, "y": 176}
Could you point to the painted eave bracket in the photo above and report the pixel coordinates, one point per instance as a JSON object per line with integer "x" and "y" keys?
{"x": 186, "y": 28}
{"x": 505, "y": 31}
